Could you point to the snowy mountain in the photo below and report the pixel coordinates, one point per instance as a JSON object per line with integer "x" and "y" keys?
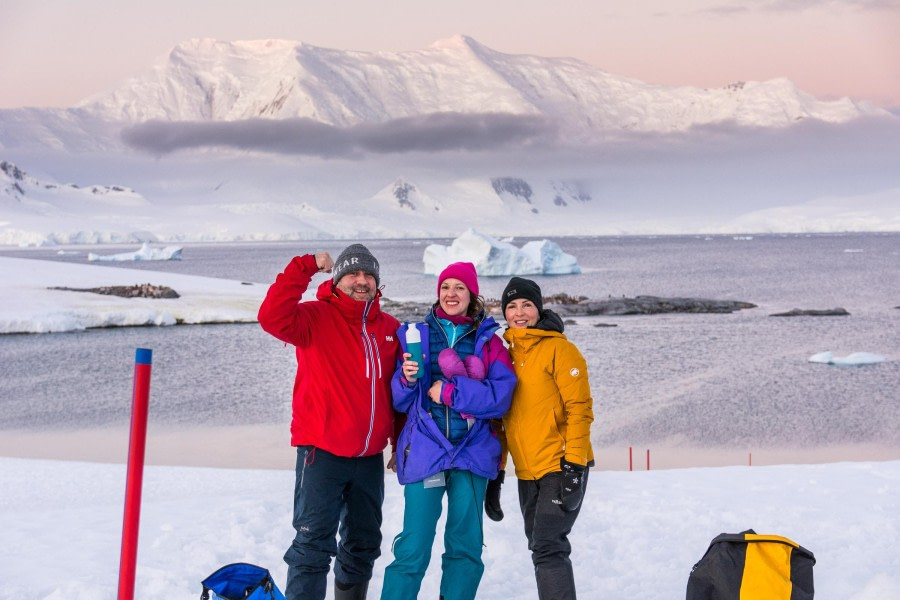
{"x": 205, "y": 80}
{"x": 280, "y": 140}
{"x": 277, "y": 79}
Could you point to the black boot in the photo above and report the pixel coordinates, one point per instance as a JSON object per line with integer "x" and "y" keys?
{"x": 492, "y": 498}
{"x": 355, "y": 591}
{"x": 556, "y": 583}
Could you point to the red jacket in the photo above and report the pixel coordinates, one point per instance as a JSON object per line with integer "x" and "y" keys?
{"x": 346, "y": 354}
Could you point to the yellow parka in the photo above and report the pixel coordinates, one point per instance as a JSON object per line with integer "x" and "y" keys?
{"x": 552, "y": 408}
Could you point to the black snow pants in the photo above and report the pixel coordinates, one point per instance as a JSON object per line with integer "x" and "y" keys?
{"x": 547, "y": 527}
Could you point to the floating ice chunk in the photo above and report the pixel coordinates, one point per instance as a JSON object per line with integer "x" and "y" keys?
{"x": 145, "y": 253}
{"x": 492, "y": 257}
{"x": 854, "y": 359}
{"x": 551, "y": 258}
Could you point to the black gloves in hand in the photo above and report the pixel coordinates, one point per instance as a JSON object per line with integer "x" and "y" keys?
{"x": 572, "y": 485}
{"x": 492, "y": 498}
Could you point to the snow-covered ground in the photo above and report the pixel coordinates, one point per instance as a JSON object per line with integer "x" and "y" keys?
{"x": 636, "y": 539}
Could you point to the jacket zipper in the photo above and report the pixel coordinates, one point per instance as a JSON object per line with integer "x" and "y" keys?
{"x": 368, "y": 345}
{"x": 450, "y": 345}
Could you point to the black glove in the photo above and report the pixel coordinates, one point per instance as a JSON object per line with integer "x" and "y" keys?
{"x": 492, "y": 498}
{"x": 572, "y": 485}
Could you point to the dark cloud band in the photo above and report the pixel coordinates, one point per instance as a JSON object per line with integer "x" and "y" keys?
{"x": 435, "y": 132}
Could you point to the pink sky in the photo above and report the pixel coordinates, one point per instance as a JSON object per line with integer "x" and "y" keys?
{"x": 57, "y": 52}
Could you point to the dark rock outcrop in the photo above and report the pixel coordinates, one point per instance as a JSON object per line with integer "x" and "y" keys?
{"x": 144, "y": 290}
{"x": 647, "y": 305}
{"x": 580, "y": 306}
{"x": 801, "y": 312}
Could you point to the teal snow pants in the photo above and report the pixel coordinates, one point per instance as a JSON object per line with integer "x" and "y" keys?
{"x": 461, "y": 564}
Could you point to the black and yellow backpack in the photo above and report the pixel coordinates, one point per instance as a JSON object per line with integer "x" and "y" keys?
{"x": 747, "y": 566}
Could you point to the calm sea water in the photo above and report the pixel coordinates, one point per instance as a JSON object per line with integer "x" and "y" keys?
{"x": 703, "y": 381}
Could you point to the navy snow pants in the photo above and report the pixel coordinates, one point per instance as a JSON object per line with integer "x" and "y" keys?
{"x": 334, "y": 494}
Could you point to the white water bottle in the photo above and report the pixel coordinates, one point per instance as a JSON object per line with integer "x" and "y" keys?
{"x": 414, "y": 346}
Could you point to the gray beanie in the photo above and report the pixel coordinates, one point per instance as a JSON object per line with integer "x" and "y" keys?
{"x": 355, "y": 257}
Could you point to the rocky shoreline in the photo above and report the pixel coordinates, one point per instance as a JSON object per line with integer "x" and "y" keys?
{"x": 564, "y": 305}
{"x": 811, "y": 312}
{"x": 580, "y": 306}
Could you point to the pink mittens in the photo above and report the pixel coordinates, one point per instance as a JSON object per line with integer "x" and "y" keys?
{"x": 451, "y": 365}
{"x": 474, "y": 367}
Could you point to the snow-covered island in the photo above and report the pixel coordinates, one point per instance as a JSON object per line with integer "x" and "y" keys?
{"x": 493, "y": 257}
{"x": 35, "y": 298}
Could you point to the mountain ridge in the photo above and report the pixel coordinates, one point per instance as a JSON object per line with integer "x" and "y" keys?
{"x": 208, "y": 80}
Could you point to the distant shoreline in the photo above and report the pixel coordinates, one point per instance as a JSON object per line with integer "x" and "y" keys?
{"x": 268, "y": 447}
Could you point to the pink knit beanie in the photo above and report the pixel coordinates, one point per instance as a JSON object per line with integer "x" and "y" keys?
{"x": 464, "y": 271}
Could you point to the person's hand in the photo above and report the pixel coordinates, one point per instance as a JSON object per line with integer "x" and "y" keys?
{"x": 434, "y": 392}
{"x": 324, "y": 262}
{"x": 392, "y": 462}
{"x": 572, "y": 491}
{"x": 409, "y": 368}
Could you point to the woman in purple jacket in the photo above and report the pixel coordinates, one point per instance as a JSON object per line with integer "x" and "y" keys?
{"x": 447, "y": 445}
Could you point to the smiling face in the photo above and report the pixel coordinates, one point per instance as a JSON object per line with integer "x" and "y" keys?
{"x": 454, "y": 297}
{"x": 521, "y": 313}
{"x": 359, "y": 285}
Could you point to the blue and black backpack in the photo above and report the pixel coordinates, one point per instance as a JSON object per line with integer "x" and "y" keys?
{"x": 241, "y": 581}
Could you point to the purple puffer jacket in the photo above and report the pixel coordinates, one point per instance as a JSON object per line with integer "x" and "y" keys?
{"x": 422, "y": 450}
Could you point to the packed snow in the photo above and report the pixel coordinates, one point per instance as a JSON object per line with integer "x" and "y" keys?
{"x": 637, "y": 537}
{"x": 852, "y": 359}
{"x": 493, "y": 257}
{"x": 146, "y": 252}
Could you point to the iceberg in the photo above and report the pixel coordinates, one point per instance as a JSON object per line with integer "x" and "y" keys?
{"x": 854, "y": 359}
{"x": 145, "y": 253}
{"x": 493, "y": 257}
{"x": 551, "y": 258}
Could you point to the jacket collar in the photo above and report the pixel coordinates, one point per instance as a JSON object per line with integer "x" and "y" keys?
{"x": 352, "y": 310}
{"x": 550, "y": 325}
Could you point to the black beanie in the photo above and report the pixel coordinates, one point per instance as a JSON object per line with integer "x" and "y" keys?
{"x": 355, "y": 257}
{"x": 519, "y": 287}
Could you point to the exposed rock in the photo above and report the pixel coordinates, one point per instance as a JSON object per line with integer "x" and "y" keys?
{"x": 144, "y": 290}
{"x": 580, "y": 306}
{"x": 647, "y": 305}
{"x": 800, "y": 312}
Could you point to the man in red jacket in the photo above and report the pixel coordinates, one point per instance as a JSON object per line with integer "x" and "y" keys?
{"x": 342, "y": 416}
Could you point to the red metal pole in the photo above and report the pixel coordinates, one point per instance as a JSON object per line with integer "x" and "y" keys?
{"x": 648, "y": 459}
{"x": 630, "y": 460}
{"x": 143, "y": 360}
{"x": 750, "y": 459}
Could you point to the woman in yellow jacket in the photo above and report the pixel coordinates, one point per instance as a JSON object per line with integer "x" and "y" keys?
{"x": 547, "y": 431}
